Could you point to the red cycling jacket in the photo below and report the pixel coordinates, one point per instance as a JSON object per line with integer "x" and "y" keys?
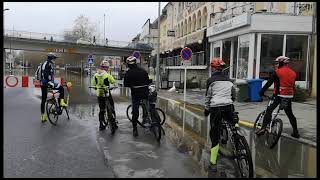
{"x": 284, "y": 82}
{"x": 287, "y": 79}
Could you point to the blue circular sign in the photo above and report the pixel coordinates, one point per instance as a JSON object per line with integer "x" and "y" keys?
{"x": 186, "y": 54}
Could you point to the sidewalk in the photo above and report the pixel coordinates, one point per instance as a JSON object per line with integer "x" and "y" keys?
{"x": 248, "y": 111}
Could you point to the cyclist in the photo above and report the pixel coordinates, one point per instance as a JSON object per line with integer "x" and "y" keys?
{"x": 47, "y": 80}
{"x": 102, "y": 79}
{"x": 220, "y": 95}
{"x": 284, "y": 85}
{"x": 138, "y": 80}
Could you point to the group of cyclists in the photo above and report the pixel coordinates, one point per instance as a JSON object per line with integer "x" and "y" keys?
{"x": 219, "y": 97}
{"x": 136, "y": 78}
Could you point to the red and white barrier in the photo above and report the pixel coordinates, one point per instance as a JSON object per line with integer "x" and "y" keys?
{"x": 11, "y": 81}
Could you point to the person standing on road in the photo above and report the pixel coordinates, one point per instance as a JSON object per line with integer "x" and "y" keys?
{"x": 220, "y": 95}
{"x": 102, "y": 79}
{"x": 284, "y": 86}
{"x": 138, "y": 80}
{"x": 46, "y": 73}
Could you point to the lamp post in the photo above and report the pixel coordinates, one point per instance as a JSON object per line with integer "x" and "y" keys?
{"x": 104, "y": 27}
{"x": 6, "y": 9}
{"x": 158, "y": 50}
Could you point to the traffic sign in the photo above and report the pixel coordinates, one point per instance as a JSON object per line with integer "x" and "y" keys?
{"x": 90, "y": 59}
{"x": 136, "y": 54}
{"x": 186, "y": 54}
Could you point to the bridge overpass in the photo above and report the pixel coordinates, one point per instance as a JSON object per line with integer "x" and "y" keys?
{"x": 33, "y": 41}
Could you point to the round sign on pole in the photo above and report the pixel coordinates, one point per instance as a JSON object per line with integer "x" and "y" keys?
{"x": 15, "y": 81}
{"x": 186, "y": 54}
{"x": 136, "y": 54}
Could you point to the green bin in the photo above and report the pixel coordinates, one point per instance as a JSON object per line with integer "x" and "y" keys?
{"x": 243, "y": 91}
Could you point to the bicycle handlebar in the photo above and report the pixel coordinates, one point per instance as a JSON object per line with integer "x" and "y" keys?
{"x": 104, "y": 88}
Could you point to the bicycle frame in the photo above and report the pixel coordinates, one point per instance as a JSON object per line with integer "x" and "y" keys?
{"x": 275, "y": 114}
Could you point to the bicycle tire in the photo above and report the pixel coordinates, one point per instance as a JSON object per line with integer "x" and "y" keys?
{"x": 259, "y": 117}
{"x": 51, "y": 112}
{"x": 278, "y": 135}
{"x": 129, "y": 115}
{"x": 110, "y": 122}
{"x": 248, "y": 159}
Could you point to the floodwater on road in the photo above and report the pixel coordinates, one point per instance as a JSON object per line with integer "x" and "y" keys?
{"x": 289, "y": 158}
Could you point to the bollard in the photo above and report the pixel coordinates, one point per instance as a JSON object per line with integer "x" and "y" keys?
{"x": 25, "y": 81}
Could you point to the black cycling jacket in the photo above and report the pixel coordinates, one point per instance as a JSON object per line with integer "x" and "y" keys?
{"x": 138, "y": 80}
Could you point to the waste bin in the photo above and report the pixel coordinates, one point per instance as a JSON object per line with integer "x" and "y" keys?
{"x": 255, "y": 86}
{"x": 243, "y": 91}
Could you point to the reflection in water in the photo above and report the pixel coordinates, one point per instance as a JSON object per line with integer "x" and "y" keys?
{"x": 287, "y": 159}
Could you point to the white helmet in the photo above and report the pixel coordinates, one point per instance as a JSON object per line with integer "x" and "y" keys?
{"x": 131, "y": 60}
{"x": 105, "y": 63}
{"x": 282, "y": 59}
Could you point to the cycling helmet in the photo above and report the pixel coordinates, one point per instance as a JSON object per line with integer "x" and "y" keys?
{"x": 104, "y": 65}
{"x": 217, "y": 63}
{"x": 282, "y": 59}
{"x": 131, "y": 60}
{"x": 52, "y": 56}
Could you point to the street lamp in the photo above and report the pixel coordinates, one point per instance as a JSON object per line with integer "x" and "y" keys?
{"x": 6, "y": 9}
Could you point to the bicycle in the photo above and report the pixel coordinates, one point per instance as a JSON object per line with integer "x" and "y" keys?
{"x": 274, "y": 128}
{"x": 111, "y": 118}
{"x": 53, "y": 108}
{"x": 144, "y": 109}
{"x": 152, "y": 114}
{"x": 239, "y": 145}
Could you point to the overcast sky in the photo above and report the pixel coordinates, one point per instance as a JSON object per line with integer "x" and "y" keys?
{"x": 124, "y": 20}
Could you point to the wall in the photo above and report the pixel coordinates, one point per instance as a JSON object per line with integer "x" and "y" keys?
{"x": 201, "y": 76}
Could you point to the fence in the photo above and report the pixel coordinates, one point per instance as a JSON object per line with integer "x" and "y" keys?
{"x": 61, "y": 38}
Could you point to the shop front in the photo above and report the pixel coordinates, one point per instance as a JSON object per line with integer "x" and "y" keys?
{"x": 250, "y": 43}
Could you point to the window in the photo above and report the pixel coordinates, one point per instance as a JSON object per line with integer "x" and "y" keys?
{"x": 271, "y": 48}
{"x": 243, "y": 56}
{"x": 296, "y": 50}
{"x": 235, "y": 53}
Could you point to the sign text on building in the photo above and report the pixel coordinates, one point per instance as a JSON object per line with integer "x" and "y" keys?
{"x": 233, "y": 23}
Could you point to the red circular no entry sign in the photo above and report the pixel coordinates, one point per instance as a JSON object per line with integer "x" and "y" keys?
{"x": 186, "y": 54}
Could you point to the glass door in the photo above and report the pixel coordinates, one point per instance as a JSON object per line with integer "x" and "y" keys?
{"x": 243, "y": 57}
{"x": 217, "y": 49}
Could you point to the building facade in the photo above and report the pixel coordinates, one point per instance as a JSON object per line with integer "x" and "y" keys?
{"x": 247, "y": 35}
{"x": 250, "y": 35}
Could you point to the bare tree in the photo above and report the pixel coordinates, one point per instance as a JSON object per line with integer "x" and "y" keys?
{"x": 82, "y": 29}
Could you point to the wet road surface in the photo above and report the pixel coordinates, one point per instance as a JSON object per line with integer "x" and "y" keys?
{"x": 126, "y": 156}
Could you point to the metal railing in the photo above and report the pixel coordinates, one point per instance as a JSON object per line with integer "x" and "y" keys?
{"x": 196, "y": 60}
{"x": 61, "y": 38}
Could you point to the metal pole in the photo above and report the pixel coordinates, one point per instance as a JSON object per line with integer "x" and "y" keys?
{"x": 104, "y": 27}
{"x": 158, "y": 51}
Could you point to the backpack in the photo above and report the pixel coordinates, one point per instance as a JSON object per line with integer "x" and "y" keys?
{"x": 38, "y": 74}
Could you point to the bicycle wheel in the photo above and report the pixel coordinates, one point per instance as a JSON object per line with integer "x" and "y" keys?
{"x": 258, "y": 123}
{"x": 155, "y": 124}
{"x": 110, "y": 118}
{"x": 243, "y": 157}
{"x": 129, "y": 114}
{"x": 275, "y": 134}
{"x": 52, "y": 111}
{"x": 162, "y": 116}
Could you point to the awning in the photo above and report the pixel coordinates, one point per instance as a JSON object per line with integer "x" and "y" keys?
{"x": 189, "y": 39}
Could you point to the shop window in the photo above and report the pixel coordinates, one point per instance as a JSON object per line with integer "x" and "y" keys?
{"x": 271, "y": 48}
{"x": 243, "y": 57}
{"x": 235, "y": 55}
{"x": 296, "y": 50}
{"x": 226, "y": 50}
